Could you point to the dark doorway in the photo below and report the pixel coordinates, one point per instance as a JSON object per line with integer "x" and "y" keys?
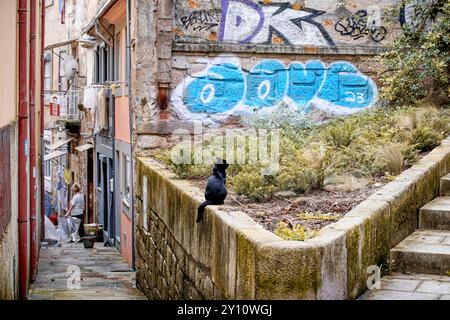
{"x": 105, "y": 197}
{"x": 90, "y": 186}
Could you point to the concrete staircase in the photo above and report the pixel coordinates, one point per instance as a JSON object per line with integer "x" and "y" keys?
{"x": 424, "y": 253}
{"x": 428, "y": 249}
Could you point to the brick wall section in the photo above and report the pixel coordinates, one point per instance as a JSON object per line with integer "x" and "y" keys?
{"x": 5, "y": 179}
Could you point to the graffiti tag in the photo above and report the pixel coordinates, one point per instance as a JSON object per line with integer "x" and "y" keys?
{"x": 244, "y": 21}
{"x": 225, "y": 88}
{"x": 201, "y": 20}
{"x": 360, "y": 25}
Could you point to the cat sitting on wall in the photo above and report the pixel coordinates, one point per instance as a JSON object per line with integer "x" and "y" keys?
{"x": 216, "y": 190}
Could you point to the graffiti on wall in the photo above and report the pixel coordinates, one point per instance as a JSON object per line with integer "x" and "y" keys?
{"x": 201, "y": 20}
{"x": 360, "y": 25}
{"x": 292, "y": 23}
{"x": 224, "y": 88}
{"x": 245, "y": 21}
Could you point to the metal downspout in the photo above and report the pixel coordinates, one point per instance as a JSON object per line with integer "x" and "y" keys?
{"x": 32, "y": 164}
{"x": 23, "y": 151}
{"x": 128, "y": 44}
{"x": 42, "y": 114}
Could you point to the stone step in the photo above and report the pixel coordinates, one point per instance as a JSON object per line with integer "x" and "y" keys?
{"x": 410, "y": 287}
{"x": 436, "y": 215}
{"x": 445, "y": 186}
{"x": 424, "y": 251}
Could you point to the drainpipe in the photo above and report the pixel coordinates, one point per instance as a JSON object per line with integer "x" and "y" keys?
{"x": 133, "y": 257}
{"x": 42, "y": 114}
{"x": 32, "y": 164}
{"x": 164, "y": 60}
{"x": 22, "y": 154}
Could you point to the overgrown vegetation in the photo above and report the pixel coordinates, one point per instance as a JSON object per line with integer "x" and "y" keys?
{"x": 417, "y": 67}
{"x": 373, "y": 144}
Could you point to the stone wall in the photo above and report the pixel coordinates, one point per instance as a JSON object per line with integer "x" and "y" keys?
{"x": 230, "y": 256}
{"x": 9, "y": 260}
{"x": 217, "y": 60}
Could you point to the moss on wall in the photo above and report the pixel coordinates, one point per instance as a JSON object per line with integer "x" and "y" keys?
{"x": 229, "y": 256}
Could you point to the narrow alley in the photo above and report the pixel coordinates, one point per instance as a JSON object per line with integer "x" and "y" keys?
{"x": 72, "y": 272}
{"x": 196, "y": 150}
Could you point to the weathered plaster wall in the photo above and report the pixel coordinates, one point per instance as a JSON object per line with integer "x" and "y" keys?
{"x": 8, "y": 67}
{"x": 8, "y": 213}
{"x": 230, "y": 256}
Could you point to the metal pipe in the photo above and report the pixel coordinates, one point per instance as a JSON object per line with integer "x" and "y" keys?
{"x": 32, "y": 164}
{"x": 23, "y": 151}
{"x": 42, "y": 114}
{"x": 133, "y": 253}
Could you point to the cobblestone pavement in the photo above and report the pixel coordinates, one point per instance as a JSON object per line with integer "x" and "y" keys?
{"x": 104, "y": 275}
{"x": 411, "y": 287}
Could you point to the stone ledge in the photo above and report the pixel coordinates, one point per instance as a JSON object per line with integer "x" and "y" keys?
{"x": 167, "y": 127}
{"x": 239, "y": 48}
{"x": 244, "y": 261}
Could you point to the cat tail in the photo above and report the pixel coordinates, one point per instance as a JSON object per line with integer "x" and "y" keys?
{"x": 201, "y": 210}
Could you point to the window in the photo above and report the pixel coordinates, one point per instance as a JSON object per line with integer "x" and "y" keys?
{"x": 62, "y": 81}
{"x": 118, "y": 57}
{"x": 48, "y": 74}
{"x": 102, "y": 64}
{"x": 48, "y": 170}
{"x": 126, "y": 180}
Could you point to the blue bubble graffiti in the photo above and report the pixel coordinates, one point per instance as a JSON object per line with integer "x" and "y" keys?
{"x": 266, "y": 84}
{"x": 217, "y": 91}
{"x": 225, "y": 85}
{"x": 306, "y": 81}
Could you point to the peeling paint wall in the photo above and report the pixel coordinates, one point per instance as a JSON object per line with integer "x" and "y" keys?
{"x": 8, "y": 214}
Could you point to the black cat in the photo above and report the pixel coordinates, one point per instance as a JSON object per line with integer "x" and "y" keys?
{"x": 216, "y": 191}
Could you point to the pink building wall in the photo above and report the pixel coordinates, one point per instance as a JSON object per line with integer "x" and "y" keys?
{"x": 122, "y": 123}
{"x": 122, "y": 103}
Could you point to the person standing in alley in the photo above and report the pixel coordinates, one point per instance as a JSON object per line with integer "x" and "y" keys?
{"x": 76, "y": 208}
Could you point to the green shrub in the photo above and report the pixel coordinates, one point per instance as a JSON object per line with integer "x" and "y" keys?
{"x": 251, "y": 183}
{"x": 339, "y": 135}
{"x": 390, "y": 159}
{"x": 320, "y": 164}
{"x": 425, "y": 139}
{"x": 416, "y": 66}
{"x": 297, "y": 233}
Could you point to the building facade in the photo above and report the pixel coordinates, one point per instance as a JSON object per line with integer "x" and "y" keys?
{"x": 93, "y": 119}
